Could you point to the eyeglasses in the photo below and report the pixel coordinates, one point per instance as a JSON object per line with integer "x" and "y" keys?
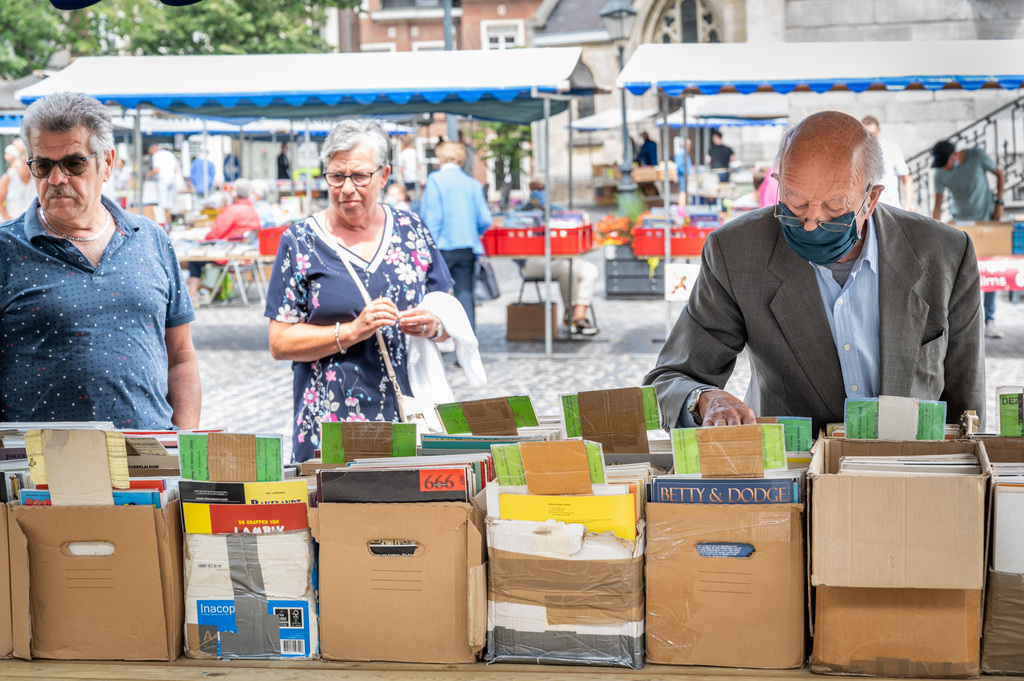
{"x": 69, "y": 165}
{"x": 829, "y": 226}
{"x": 358, "y": 179}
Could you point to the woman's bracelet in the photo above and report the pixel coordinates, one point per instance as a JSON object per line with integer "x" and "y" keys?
{"x": 440, "y": 330}
{"x": 337, "y": 337}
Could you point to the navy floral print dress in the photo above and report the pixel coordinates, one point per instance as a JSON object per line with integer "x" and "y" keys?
{"x": 311, "y": 285}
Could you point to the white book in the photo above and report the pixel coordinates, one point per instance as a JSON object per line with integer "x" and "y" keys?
{"x": 1008, "y": 540}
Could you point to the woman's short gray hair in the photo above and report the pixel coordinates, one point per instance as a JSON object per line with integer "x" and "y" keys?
{"x": 68, "y": 111}
{"x": 349, "y": 134}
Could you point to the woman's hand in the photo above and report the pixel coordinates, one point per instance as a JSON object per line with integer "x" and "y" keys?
{"x": 377, "y": 314}
{"x": 418, "y": 322}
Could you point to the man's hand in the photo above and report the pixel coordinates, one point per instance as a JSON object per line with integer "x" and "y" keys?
{"x": 719, "y": 408}
{"x": 997, "y": 213}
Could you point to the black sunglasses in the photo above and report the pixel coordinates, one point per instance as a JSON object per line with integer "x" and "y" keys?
{"x": 69, "y": 165}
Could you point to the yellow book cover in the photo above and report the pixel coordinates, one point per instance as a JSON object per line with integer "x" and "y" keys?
{"x": 293, "y": 491}
{"x": 615, "y": 512}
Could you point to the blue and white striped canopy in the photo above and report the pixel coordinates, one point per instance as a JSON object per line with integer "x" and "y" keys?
{"x": 710, "y": 68}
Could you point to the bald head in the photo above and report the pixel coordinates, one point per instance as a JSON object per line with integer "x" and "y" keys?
{"x": 832, "y": 138}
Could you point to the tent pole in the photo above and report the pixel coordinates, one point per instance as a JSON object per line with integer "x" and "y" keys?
{"x": 669, "y": 220}
{"x": 548, "y": 331}
{"x": 205, "y": 155}
{"x": 569, "y": 110}
{"x": 137, "y": 143}
{"x": 309, "y": 175}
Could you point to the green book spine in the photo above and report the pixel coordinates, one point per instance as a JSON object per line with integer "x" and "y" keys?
{"x": 571, "y": 413}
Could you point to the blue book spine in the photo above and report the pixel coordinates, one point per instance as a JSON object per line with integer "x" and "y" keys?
{"x": 122, "y": 497}
{"x": 725, "y": 491}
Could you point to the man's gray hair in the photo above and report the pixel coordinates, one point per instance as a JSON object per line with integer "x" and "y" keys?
{"x": 68, "y": 111}
{"x": 243, "y": 188}
{"x": 872, "y": 163}
{"x": 349, "y": 134}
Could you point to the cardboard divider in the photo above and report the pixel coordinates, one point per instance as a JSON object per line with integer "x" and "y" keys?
{"x": 490, "y": 417}
{"x": 615, "y": 418}
{"x": 231, "y": 457}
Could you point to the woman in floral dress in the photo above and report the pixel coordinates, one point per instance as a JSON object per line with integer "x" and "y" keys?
{"x": 318, "y": 317}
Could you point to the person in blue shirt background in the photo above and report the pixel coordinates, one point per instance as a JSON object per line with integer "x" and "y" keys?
{"x": 202, "y": 174}
{"x": 456, "y": 212}
{"x": 648, "y": 154}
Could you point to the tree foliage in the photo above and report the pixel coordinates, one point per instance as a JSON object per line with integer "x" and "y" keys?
{"x": 507, "y": 145}
{"x": 32, "y": 31}
{"x": 29, "y": 36}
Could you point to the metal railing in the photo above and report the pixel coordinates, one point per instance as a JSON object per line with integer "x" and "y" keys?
{"x": 1000, "y": 134}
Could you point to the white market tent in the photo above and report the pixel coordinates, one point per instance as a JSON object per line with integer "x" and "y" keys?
{"x": 517, "y": 86}
{"x": 710, "y": 68}
{"x": 732, "y": 110}
{"x": 683, "y": 69}
{"x": 612, "y": 118}
{"x": 488, "y": 84}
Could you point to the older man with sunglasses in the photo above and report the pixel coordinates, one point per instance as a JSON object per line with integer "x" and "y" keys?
{"x": 833, "y": 296}
{"x": 94, "y": 311}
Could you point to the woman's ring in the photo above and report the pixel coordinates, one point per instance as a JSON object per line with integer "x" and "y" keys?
{"x": 374, "y": 317}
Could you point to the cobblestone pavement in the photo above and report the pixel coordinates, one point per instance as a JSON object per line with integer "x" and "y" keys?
{"x": 245, "y": 390}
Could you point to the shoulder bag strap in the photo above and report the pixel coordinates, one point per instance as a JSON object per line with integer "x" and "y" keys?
{"x": 330, "y": 240}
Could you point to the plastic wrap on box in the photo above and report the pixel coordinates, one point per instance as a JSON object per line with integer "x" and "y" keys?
{"x": 558, "y": 595}
{"x": 250, "y": 596}
{"x": 726, "y": 585}
{"x": 1002, "y": 640}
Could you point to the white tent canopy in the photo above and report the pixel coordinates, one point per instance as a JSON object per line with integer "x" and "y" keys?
{"x": 720, "y": 111}
{"x": 153, "y": 125}
{"x": 710, "y": 68}
{"x": 488, "y": 84}
{"x": 612, "y": 118}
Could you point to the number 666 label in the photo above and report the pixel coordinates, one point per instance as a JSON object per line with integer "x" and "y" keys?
{"x": 442, "y": 480}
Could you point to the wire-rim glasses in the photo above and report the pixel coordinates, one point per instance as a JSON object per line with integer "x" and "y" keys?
{"x": 829, "y": 226}
{"x": 72, "y": 166}
{"x": 358, "y": 179}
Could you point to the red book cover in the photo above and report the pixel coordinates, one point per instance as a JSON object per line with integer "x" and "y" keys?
{"x": 250, "y": 518}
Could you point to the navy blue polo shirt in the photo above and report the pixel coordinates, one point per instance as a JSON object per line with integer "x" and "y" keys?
{"x": 79, "y": 343}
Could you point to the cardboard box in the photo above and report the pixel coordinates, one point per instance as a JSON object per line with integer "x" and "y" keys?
{"x": 559, "y": 595}
{"x": 1002, "y": 642}
{"x": 898, "y": 563}
{"x": 526, "y": 322}
{"x": 899, "y": 531}
{"x": 96, "y": 582}
{"x": 990, "y": 238}
{"x": 250, "y": 596}
{"x": 6, "y": 625}
{"x": 737, "y": 611}
{"x": 897, "y": 632}
{"x": 401, "y": 582}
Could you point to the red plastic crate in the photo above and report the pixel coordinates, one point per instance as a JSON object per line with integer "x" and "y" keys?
{"x": 649, "y": 242}
{"x": 270, "y": 239}
{"x": 529, "y": 241}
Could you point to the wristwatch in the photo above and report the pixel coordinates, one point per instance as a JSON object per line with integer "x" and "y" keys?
{"x": 693, "y": 404}
{"x": 999, "y": 201}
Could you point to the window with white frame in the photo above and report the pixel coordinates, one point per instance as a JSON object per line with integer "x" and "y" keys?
{"x": 499, "y": 35}
{"x": 378, "y": 47}
{"x": 429, "y": 46}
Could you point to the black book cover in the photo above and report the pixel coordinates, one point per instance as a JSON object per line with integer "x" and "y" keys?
{"x": 346, "y": 485}
{"x": 200, "y": 492}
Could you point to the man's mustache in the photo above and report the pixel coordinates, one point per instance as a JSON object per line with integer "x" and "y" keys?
{"x": 61, "y": 190}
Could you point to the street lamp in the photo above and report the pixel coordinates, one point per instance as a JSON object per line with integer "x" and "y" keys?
{"x": 618, "y": 16}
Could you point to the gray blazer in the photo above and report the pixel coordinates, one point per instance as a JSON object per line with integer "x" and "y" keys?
{"x": 754, "y": 291}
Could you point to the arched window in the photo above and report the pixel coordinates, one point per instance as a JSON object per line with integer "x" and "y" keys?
{"x": 688, "y": 21}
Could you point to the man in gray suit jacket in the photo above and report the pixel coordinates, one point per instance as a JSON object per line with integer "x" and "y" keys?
{"x": 832, "y": 295}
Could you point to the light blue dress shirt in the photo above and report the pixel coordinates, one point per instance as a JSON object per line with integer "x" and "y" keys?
{"x": 852, "y": 312}
{"x": 455, "y": 209}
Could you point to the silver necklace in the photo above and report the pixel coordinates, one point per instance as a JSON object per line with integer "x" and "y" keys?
{"x": 106, "y": 226}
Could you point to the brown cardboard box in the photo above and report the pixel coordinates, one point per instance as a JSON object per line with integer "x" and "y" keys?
{"x": 990, "y": 238}
{"x": 125, "y": 604}
{"x": 719, "y": 611}
{"x": 6, "y": 630}
{"x": 381, "y": 603}
{"x": 898, "y": 563}
{"x": 1002, "y": 643}
{"x": 526, "y": 322}
{"x": 897, "y": 632}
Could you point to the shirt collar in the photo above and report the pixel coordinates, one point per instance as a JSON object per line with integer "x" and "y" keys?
{"x": 122, "y": 221}
{"x": 869, "y": 254}
{"x": 449, "y": 166}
